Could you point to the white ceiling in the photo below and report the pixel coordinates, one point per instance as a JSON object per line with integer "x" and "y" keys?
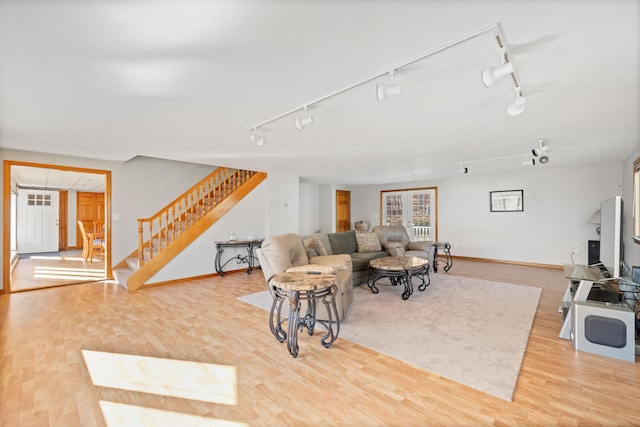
{"x": 183, "y": 79}
{"x": 57, "y": 179}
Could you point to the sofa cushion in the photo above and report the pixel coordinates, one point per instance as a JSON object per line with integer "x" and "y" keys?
{"x": 325, "y": 269}
{"x": 314, "y": 247}
{"x": 368, "y": 242}
{"x": 343, "y": 242}
{"x": 360, "y": 260}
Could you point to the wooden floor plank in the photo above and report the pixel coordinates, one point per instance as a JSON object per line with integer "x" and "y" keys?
{"x": 44, "y": 379}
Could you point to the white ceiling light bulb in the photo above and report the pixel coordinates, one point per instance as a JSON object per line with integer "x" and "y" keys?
{"x": 515, "y": 109}
{"x": 382, "y": 90}
{"x": 302, "y": 122}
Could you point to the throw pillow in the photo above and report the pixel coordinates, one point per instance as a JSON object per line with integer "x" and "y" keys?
{"x": 343, "y": 242}
{"x": 368, "y": 242}
{"x": 314, "y": 247}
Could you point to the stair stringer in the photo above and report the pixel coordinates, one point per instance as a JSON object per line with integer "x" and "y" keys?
{"x": 155, "y": 264}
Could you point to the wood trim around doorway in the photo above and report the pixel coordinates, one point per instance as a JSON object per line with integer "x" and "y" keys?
{"x": 6, "y": 223}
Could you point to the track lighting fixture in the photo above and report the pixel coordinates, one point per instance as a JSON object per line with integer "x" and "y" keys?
{"x": 382, "y": 90}
{"x": 529, "y": 161}
{"x": 489, "y": 77}
{"x": 541, "y": 152}
{"x": 463, "y": 169}
{"x": 515, "y": 109}
{"x": 491, "y": 74}
{"x": 304, "y": 121}
{"x": 258, "y": 139}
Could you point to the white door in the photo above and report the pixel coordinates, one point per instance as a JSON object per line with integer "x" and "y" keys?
{"x": 37, "y": 221}
{"x": 415, "y": 209}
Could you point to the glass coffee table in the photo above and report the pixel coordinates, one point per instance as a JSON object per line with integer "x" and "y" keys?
{"x": 400, "y": 270}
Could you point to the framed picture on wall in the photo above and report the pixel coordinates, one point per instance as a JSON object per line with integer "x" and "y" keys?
{"x": 506, "y": 201}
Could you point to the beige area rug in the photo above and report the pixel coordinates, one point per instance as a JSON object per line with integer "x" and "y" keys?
{"x": 473, "y": 332}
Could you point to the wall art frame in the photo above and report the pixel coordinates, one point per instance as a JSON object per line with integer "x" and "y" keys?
{"x": 506, "y": 201}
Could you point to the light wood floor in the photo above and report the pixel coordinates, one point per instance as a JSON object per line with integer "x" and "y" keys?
{"x": 45, "y": 380}
{"x": 48, "y": 270}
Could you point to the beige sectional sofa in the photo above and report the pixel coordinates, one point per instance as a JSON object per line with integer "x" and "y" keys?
{"x": 284, "y": 253}
{"x": 393, "y": 240}
{"x": 346, "y": 253}
{"x": 345, "y": 242}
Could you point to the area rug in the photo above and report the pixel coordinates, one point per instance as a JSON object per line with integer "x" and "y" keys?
{"x": 471, "y": 331}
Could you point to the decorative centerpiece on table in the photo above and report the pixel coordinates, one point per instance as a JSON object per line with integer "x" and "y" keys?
{"x": 361, "y": 226}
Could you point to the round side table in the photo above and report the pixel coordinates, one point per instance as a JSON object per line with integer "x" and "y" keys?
{"x": 297, "y": 287}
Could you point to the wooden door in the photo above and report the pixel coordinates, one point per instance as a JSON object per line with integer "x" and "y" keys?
{"x": 343, "y": 210}
{"x": 90, "y": 208}
{"x": 63, "y": 228}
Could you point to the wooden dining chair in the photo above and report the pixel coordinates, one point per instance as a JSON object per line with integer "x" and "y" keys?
{"x": 89, "y": 243}
{"x": 98, "y": 226}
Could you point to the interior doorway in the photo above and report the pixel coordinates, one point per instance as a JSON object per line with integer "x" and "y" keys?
{"x": 343, "y": 210}
{"x": 57, "y": 266}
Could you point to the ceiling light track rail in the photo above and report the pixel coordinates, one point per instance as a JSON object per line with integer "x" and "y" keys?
{"x": 506, "y": 68}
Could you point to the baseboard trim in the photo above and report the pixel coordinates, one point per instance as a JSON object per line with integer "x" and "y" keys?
{"x": 502, "y": 261}
{"x": 189, "y": 279}
{"x": 244, "y": 270}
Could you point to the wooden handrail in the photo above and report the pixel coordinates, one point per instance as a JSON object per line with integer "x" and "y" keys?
{"x": 158, "y": 231}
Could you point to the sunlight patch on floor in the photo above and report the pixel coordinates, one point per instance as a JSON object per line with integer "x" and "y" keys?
{"x": 66, "y": 273}
{"x": 176, "y": 378}
{"x": 118, "y": 415}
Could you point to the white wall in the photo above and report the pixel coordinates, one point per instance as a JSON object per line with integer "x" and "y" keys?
{"x": 327, "y": 210}
{"x": 558, "y": 203}
{"x": 282, "y": 204}
{"x": 139, "y": 188}
{"x": 309, "y": 208}
{"x": 270, "y": 209}
{"x": 557, "y": 206}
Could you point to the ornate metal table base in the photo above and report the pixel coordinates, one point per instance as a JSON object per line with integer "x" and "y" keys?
{"x": 249, "y": 259}
{"x": 295, "y": 323}
{"x": 448, "y": 261}
{"x": 399, "y": 271}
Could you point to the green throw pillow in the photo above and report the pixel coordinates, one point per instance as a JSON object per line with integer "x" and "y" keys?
{"x": 343, "y": 242}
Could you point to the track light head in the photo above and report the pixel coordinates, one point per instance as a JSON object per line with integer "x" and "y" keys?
{"x": 258, "y": 139}
{"x": 304, "y": 121}
{"x": 491, "y": 74}
{"x": 529, "y": 161}
{"x": 383, "y": 90}
{"x": 517, "y": 108}
{"x": 541, "y": 152}
{"x": 464, "y": 170}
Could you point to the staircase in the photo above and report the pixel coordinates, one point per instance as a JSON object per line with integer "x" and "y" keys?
{"x": 164, "y": 235}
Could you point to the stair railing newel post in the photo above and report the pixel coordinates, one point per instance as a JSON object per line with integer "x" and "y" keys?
{"x": 150, "y": 244}
{"x": 140, "y": 240}
{"x": 161, "y": 241}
